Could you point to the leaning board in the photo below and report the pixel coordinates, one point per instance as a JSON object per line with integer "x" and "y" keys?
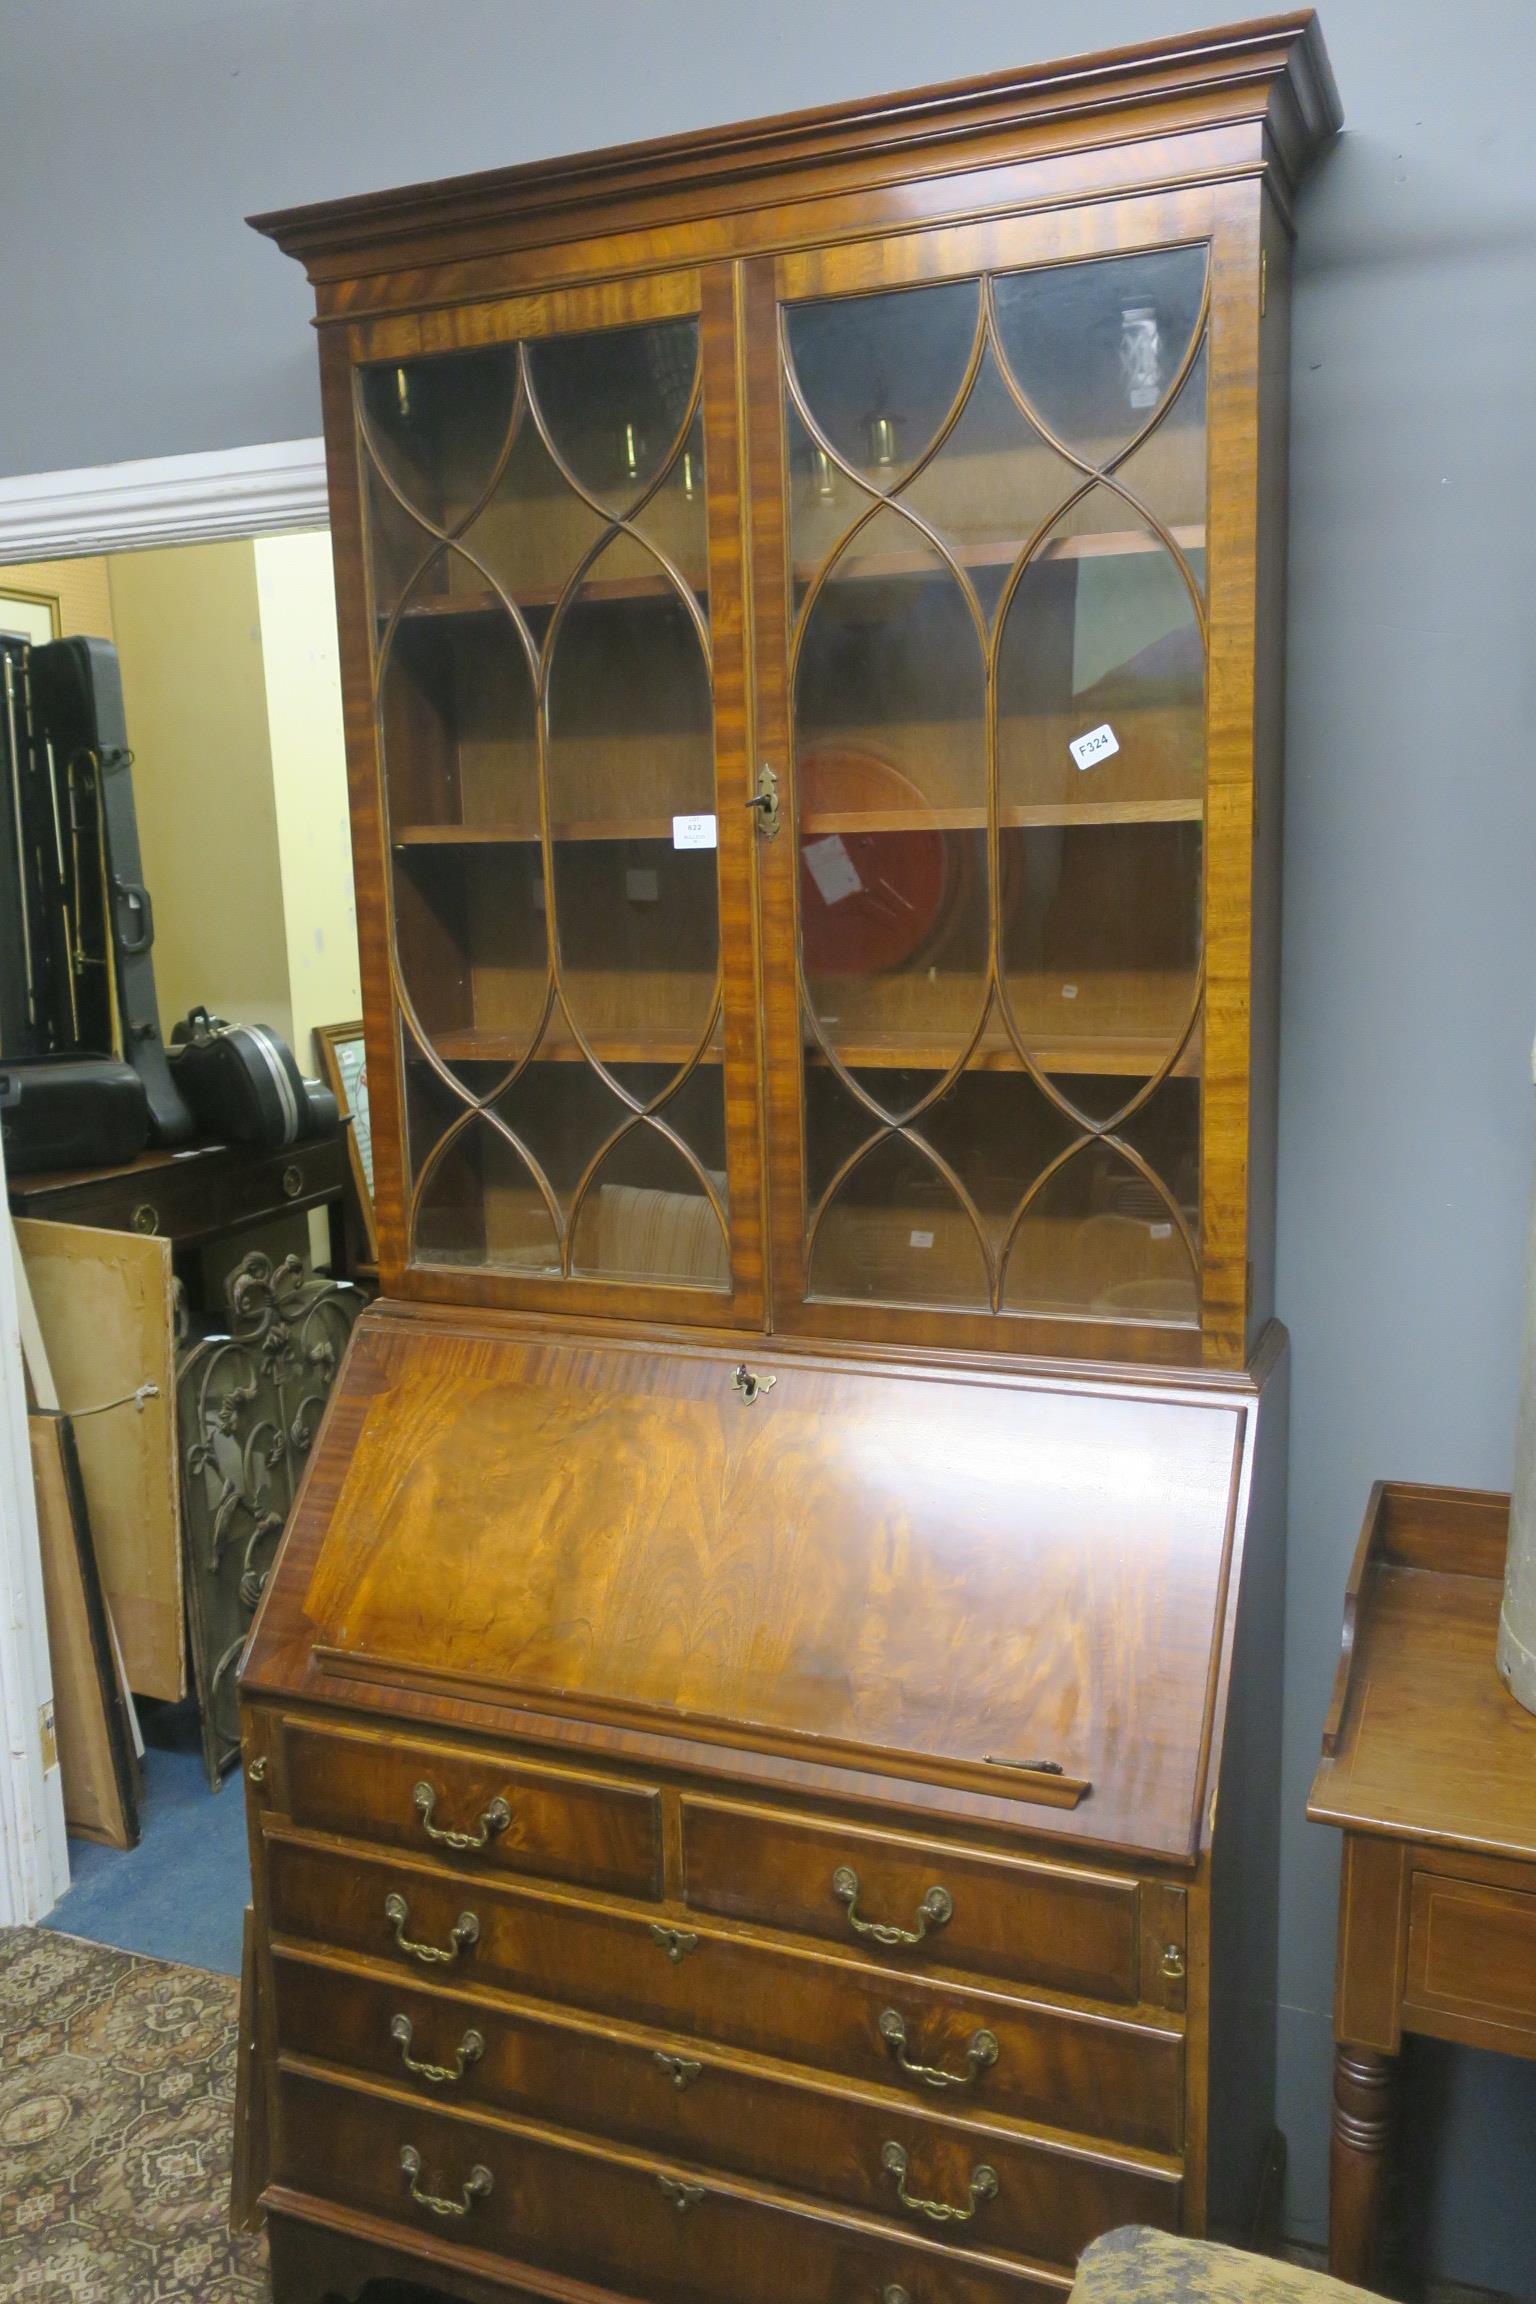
{"x": 104, "y": 1305}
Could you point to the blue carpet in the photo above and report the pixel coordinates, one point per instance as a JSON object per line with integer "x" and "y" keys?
{"x": 181, "y": 1894}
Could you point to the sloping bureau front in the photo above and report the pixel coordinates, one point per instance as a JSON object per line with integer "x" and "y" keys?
{"x": 996, "y": 1584}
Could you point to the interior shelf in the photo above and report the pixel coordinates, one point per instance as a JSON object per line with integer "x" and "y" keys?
{"x": 1124, "y": 1055}
{"x": 467, "y": 607}
{"x": 1000, "y": 553}
{"x": 819, "y": 822}
{"x": 521, "y": 836}
{"x": 1046, "y": 813}
{"x": 991, "y": 553}
{"x": 1109, "y": 1055}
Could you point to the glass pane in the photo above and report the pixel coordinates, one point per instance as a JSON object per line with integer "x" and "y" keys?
{"x": 537, "y": 526}
{"x": 1101, "y": 1239}
{"x": 458, "y": 716}
{"x": 1102, "y": 631}
{"x": 613, "y": 405}
{"x": 649, "y": 1216}
{"x": 1095, "y": 348}
{"x": 998, "y": 654}
{"x": 895, "y": 1227}
{"x": 639, "y": 946}
{"x": 879, "y": 374}
{"x": 987, "y": 524}
{"x": 1100, "y": 953}
{"x": 437, "y": 429}
{"x": 631, "y": 738}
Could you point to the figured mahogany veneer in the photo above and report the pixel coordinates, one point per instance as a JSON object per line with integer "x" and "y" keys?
{"x": 762, "y": 1737}
{"x": 1066, "y": 2070}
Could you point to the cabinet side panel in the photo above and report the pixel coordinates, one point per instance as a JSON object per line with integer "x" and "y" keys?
{"x": 1268, "y": 763}
{"x": 1245, "y": 1860}
{"x": 368, "y": 867}
{"x": 1232, "y": 564}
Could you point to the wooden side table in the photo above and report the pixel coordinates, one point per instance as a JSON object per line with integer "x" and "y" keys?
{"x": 1429, "y": 1770}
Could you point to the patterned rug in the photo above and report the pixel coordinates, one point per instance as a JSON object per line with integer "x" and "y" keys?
{"x": 117, "y": 2095}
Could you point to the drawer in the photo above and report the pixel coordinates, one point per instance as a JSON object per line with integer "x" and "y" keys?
{"x": 623, "y": 2219}
{"x": 558, "y": 1825}
{"x": 922, "y": 1903}
{"x": 1471, "y": 1955}
{"x": 692, "y": 2102}
{"x": 1093, "y": 2075}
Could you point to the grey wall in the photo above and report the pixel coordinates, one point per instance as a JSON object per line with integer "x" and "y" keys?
{"x": 141, "y": 318}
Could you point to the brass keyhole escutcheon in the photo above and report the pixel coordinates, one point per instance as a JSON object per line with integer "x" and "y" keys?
{"x": 749, "y": 1385}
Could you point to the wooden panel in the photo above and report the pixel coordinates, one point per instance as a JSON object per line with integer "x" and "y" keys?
{"x": 1472, "y": 1962}
{"x": 96, "y": 1761}
{"x": 1061, "y": 2068}
{"x": 104, "y": 1307}
{"x": 688, "y": 2101}
{"x": 561, "y": 1827}
{"x": 614, "y": 2216}
{"x": 1068, "y": 1930}
{"x": 1373, "y": 1936}
{"x": 843, "y": 1568}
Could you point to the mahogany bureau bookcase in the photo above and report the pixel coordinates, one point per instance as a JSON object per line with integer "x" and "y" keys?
{"x": 762, "y": 1739}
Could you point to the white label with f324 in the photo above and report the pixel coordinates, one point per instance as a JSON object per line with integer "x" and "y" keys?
{"x": 1099, "y": 744}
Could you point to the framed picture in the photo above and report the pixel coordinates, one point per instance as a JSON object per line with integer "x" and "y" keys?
{"x": 30, "y": 616}
{"x": 344, "y": 1068}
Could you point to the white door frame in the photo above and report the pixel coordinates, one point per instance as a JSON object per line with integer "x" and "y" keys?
{"x": 34, "y": 1862}
{"x": 261, "y": 491}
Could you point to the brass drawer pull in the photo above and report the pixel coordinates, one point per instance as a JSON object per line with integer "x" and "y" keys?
{"x": 895, "y": 2294}
{"x": 936, "y": 1907}
{"x": 496, "y": 1819}
{"x": 682, "y": 2196}
{"x": 476, "y": 2186}
{"x": 982, "y": 2186}
{"x": 684, "y": 2070}
{"x": 981, "y": 2053}
{"x": 675, "y": 1942}
{"x": 470, "y": 2050}
{"x": 465, "y": 1931}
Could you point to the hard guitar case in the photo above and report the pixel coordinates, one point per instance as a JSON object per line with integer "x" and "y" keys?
{"x": 80, "y": 754}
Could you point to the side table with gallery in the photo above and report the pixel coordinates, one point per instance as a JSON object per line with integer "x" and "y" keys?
{"x": 1429, "y": 1770}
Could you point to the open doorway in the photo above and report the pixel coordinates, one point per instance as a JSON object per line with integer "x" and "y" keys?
{"x": 232, "y": 701}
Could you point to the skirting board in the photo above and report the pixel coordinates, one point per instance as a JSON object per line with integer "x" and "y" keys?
{"x": 259, "y": 491}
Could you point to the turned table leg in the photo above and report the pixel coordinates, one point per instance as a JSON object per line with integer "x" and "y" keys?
{"x": 1364, "y": 2104}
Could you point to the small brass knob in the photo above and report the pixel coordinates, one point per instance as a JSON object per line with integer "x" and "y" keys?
{"x": 257, "y": 1771}
{"x": 293, "y": 1181}
{"x": 1173, "y": 1961}
{"x": 146, "y": 1217}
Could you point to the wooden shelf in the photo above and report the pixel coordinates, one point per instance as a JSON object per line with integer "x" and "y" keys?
{"x": 474, "y": 1044}
{"x": 469, "y": 607}
{"x": 1066, "y": 813}
{"x": 518, "y": 836}
{"x": 1000, "y": 553}
{"x": 1112, "y": 1056}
